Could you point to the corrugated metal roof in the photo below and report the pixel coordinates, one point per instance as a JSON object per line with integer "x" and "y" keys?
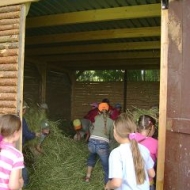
{"x": 49, "y": 8}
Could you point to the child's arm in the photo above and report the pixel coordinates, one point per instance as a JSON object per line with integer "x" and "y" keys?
{"x": 151, "y": 173}
{"x": 15, "y": 180}
{"x": 113, "y": 183}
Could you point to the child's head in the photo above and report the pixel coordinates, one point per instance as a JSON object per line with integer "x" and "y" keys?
{"x": 103, "y": 107}
{"x": 146, "y": 122}
{"x": 9, "y": 124}
{"x": 24, "y": 107}
{"x": 118, "y": 106}
{"x": 94, "y": 105}
{"x": 77, "y": 124}
{"x": 45, "y": 127}
{"x": 123, "y": 126}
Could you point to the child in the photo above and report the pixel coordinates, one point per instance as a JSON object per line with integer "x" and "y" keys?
{"x": 116, "y": 111}
{"x": 82, "y": 128}
{"x": 45, "y": 130}
{"x": 130, "y": 163}
{"x": 146, "y": 125}
{"x": 11, "y": 159}
{"x": 99, "y": 141}
{"x": 93, "y": 112}
{"x": 27, "y": 134}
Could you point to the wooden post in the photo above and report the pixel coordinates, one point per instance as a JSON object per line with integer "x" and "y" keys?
{"x": 125, "y": 91}
{"x": 44, "y": 76}
{"x": 42, "y": 68}
{"x": 163, "y": 100}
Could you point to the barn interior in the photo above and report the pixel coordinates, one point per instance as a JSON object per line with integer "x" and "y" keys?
{"x": 63, "y": 37}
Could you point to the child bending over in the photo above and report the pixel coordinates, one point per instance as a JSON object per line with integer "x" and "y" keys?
{"x": 99, "y": 141}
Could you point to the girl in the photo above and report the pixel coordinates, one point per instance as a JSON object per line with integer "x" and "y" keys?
{"x": 146, "y": 128}
{"x": 130, "y": 163}
{"x": 99, "y": 141}
{"x": 11, "y": 159}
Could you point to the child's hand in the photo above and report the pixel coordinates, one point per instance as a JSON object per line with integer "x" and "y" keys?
{"x": 38, "y": 134}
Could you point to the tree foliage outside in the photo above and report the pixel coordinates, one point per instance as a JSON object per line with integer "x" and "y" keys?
{"x": 118, "y": 75}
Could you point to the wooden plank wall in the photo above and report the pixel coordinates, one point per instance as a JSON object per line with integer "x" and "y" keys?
{"x": 31, "y": 83}
{"x": 58, "y": 95}
{"x": 9, "y": 58}
{"x": 139, "y": 94}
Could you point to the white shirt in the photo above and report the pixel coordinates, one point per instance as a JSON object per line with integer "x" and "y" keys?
{"x": 121, "y": 166}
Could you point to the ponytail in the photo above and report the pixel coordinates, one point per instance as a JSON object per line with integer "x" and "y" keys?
{"x": 138, "y": 162}
{"x": 104, "y": 112}
{"x": 126, "y": 128}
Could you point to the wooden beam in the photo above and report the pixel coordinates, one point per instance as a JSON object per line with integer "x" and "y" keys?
{"x": 154, "y": 61}
{"x": 110, "y": 14}
{"x": 104, "y": 67}
{"x": 95, "y": 35}
{"x": 100, "y": 56}
{"x": 98, "y": 65}
{"x": 14, "y": 2}
{"x": 94, "y": 48}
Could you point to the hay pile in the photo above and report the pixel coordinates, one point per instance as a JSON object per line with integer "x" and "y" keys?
{"x": 137, "y": 112}
{"x": 153, "y": 112}
{"x": 62, "y": 166}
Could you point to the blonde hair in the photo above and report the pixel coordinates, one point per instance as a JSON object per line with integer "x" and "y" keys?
{"x": 9, "y": 124}
{"x": 123, "y": 127}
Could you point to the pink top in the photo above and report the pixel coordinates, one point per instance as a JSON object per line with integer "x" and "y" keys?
{"x": 150, "y": 143}
{"x": 10, "y": 159}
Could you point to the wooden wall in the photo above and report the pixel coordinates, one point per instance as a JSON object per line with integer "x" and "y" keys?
{"x": 139, "y": 94}
{"x": 58, "y": 91}
{"x": 68, "y": 102}
{"x": 59, "y": 95}
{"x": 31, "y": 83}
{"x": 12, "y": 33}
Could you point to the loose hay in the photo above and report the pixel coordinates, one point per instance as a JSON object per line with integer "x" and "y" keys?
{"x": 137, "y": 112}
{"x": 153, "y": 112}
{"x": 63, "y": 165}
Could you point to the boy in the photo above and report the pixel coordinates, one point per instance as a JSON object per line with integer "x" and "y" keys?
{"x": 82, "y": 128}
{"x": 45, "y": 130}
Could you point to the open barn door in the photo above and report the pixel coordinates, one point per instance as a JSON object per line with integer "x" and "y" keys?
{"x": 174, "y": 135}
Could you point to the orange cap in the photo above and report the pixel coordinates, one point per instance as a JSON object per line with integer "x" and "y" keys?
{"x": 103, "y": 106}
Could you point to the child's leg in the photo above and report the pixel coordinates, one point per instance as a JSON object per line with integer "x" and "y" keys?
{"x": 25, "y": 176}
{"x": 91, "y": 160}
{"x": 103, "y": 152}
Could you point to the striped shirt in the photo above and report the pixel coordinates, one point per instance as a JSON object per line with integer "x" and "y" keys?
{"x": 10, "y": 159}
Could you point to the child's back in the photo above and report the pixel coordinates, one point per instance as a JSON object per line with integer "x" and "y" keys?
{"x": 150, "y": 143}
